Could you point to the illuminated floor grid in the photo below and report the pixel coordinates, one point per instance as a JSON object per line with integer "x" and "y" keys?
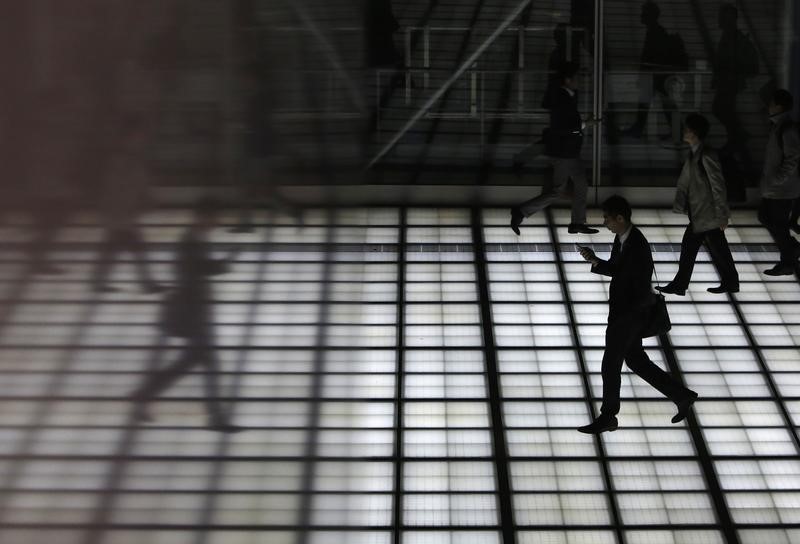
{"x": 407, "y": 376}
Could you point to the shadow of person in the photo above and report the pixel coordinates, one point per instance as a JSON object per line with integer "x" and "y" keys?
{"x": 187, "y": 313}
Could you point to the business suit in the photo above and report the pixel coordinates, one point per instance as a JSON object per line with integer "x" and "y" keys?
{"x": 630, "y": 267}
{"x": 563, "y": 142}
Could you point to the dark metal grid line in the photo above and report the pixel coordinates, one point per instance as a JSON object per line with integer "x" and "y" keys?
{"x": 505, "y": 504}
{"x": 25, "y": 446}
{"x": 223, "y": 445}
{"x": 701, "y": 448}
{"x": 777, "y": 396}
{"x": 277, "y": 458}
{"x": 397, "y": 515}
{"x": 613, "y": 506}
{"x": 314, "y": 416}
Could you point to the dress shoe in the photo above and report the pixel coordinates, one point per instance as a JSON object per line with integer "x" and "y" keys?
{"x": 781, "y": 269}
{"x": 516, "y": 220}
{"x": 722, "y": 289}
{"x": 683, "y": 407}
{"x": 670, "y": 290}
{"x": 574, "y": 228}
{"x": 600, "y": 425}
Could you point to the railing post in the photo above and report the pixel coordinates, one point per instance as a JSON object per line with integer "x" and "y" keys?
{"x": 473, "y": 90}
{"x": 597, "y": 110}
{"x": 407, "y": 62}
{"x": 426, "y": 61}
{"x": 521, "y": 67}
{"x": 513, "y": 14}
{"x": 569, "y": 43}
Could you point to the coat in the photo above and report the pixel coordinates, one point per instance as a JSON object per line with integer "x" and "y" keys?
{"x": 565, "y": 135}
{"x": 779, "y": 179}
{"x": 630, "y": 269}
{"x": 701, "y": 192}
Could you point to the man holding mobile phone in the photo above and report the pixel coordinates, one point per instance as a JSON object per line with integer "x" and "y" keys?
{"x": 630, "y": 300}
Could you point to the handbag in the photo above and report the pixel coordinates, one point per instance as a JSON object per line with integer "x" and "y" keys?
{"x": 657, "y": 320}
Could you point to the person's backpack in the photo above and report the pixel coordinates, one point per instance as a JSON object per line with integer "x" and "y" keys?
{"x": 747, "y": 55}
{"x": 678, "y": 58}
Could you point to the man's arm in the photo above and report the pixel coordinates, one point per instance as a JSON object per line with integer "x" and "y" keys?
{"x": 599, "y": 266}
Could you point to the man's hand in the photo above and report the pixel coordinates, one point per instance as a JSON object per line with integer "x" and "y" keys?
{"x": 588, "y": 255}
{"x": 724, "y": 225}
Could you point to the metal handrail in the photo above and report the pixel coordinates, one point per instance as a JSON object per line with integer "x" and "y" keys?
{"x": 438, "y": 94}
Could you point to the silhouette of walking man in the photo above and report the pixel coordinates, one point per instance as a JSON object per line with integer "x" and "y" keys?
{"x": 187, "y": 313}
{"x": 630, "y": 300}
{"x": 563, "y": 141}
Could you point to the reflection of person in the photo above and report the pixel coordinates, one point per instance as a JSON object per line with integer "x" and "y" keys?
{"x": 729, "y": 80}
{"x": 187, "y": 313}
{"x": 630, "y": 267}
{"x": 558, "y": 57}
{"x": 380, "y": 26}
{"x": 656, "y": 57}
{"x": 563, "y": 143}
{"x": 780, "y": 184}
{"x": 582, "y": 18}
{"x": 701, "y": 195}
{"x": 124, "y": 198}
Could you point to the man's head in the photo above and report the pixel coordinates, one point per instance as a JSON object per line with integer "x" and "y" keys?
{"x": 650, "y": 13}
{"x": 695, "y": 129}
{"x": 616, "y": 214}
{"x": 728, "y": 16}
{"x": 568, "y": 75}
{"x": 782, "y": 101}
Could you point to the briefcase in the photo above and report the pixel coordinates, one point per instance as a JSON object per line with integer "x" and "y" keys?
{"x": 657, "y": 320}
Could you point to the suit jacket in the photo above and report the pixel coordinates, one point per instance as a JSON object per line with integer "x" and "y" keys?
{"x": 630, "y": 270}
{"x": 565, "y": 134}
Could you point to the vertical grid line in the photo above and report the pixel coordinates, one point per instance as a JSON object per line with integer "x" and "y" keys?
{"x": 701, "y": 448}
{"x": 315, "y": 395}
{"x": 501, "y": 462}
{"x": 587, "y": 386}
{"x": 399, "y": 450}
{"x": 776, "y": 393}
{"x": 224, "y": 443}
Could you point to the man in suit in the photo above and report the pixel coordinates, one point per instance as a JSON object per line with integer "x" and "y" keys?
{"x": 701, "y": 194}
{"x": 188, "y": 313}
{"x": 563, "y": 141}
{"x": 630, "y": 301}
